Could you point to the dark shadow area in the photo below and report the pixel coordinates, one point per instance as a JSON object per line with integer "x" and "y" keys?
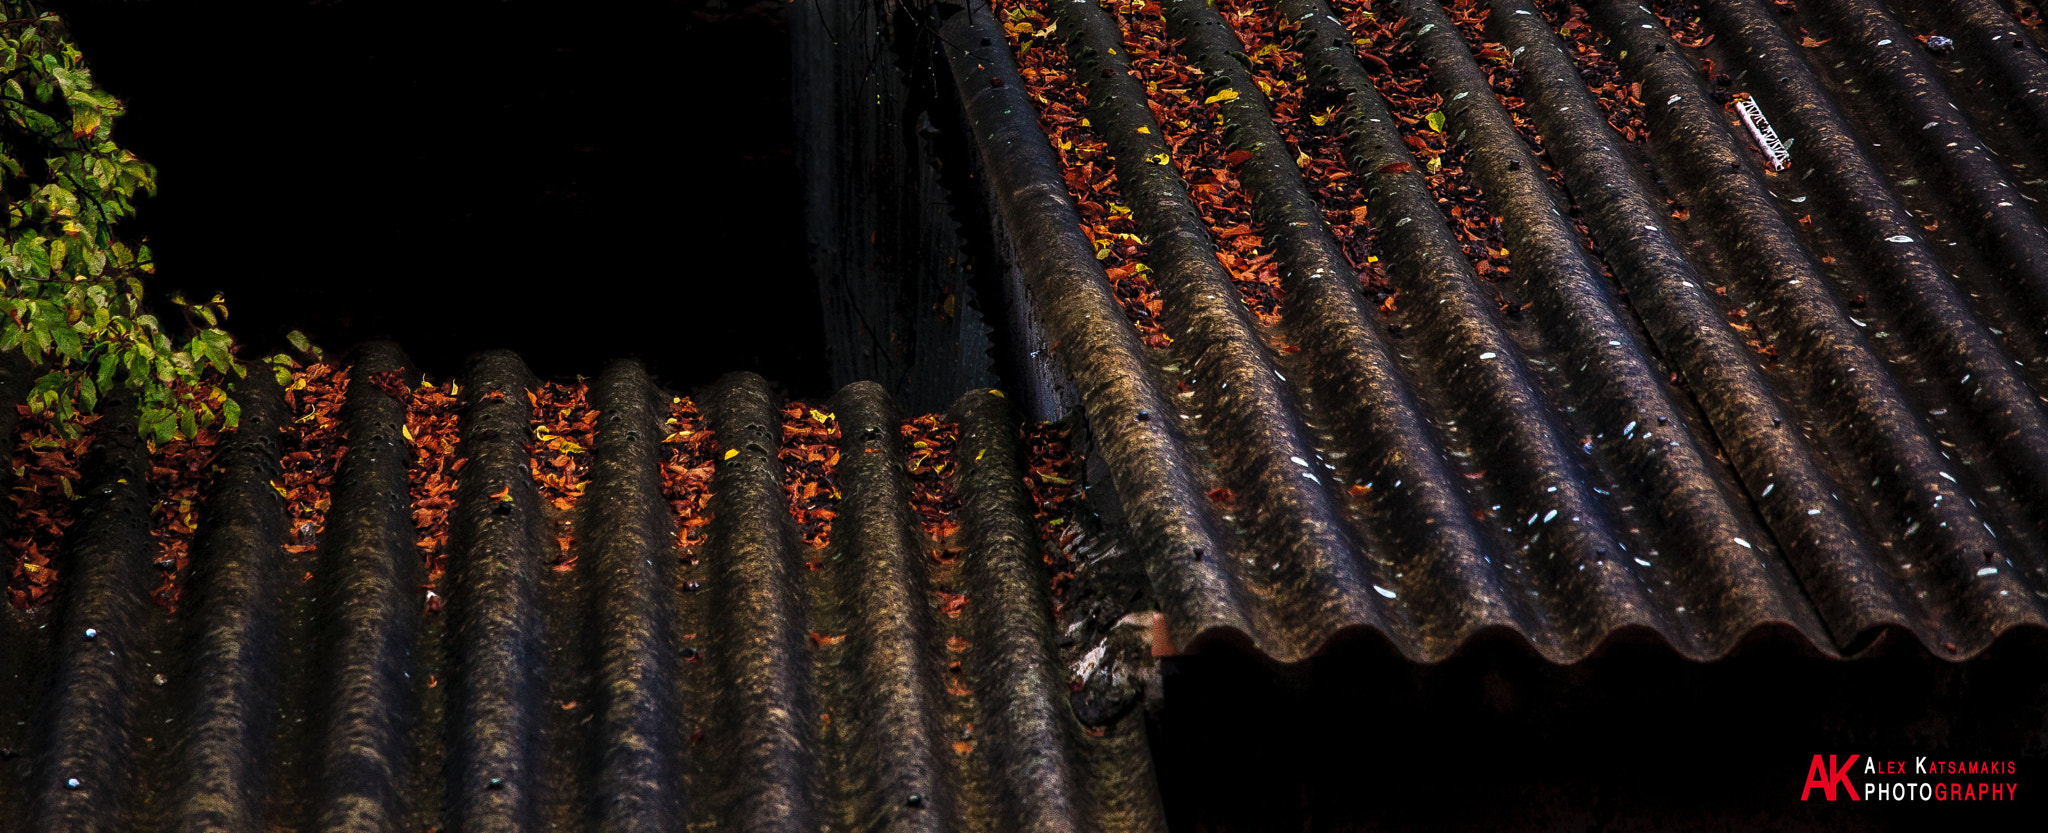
{"x": 1634, "y": 738}
{"x": 575, "y": 183}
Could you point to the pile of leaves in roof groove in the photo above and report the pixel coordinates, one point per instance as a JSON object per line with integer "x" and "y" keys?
{"x": 1085, "y": 164}
{"x": 1052, "y": 476}
{"x": 564, "y": 432}
{"x": 930, "y": 444}
{"x": 432, "y": 429}
{"x": 1622, "y": 103}
{"x": 1307, "y": 116}
{"x": 809, "y": 452}
{"x": 686, "y": 472}
{"x": 45, "y": 471}
{"x": 1506, "y": 81}
{"x": 1191, "y": 124}
{"x": 931, "y": 448}
{"x": 45, "y": 482}
{"x": 1401, "y": 75}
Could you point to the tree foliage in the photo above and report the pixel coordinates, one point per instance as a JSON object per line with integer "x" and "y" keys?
{"x": 71, "y": 290}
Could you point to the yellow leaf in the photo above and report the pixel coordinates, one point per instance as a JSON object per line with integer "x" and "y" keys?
{"x": 994, "y": 391}
{"x": 1225, "y": 95}
{"x": 819, "y": 416}
{"x": 279, "y": 487}
{"x": 978, "y": 454}
{"x": 406, "y": 431}
{"x": 1159, "y": 159}
{"x": 1301, "y": 159}
{"x": 731, "y": 453}
{"x": 1144, "y": 129}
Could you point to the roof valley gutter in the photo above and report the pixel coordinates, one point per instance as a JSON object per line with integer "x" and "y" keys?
{"x": 1845, "y": 376}
{"x": 1732, "y": 589}
{"x": 1976, "y": 182}
{"x": 1466, "y": 348}
{"x": 1147, "y": 459}
{"x": 1754, "y": 424}
{"x": 1938, "y": 319}
{"x": 1247, "y": 411}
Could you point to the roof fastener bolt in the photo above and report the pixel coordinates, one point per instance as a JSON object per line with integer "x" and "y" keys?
{"x": 1144, "y": 415}
{"x": 692, "y": 586}
{"x": 161, "y": 680}
{"x": 92, "y": 633}
{"x": 1663, "y": 421}
{"x": 915, "y": 800}
{"x": 73, "y": 783}
{"x": 497, "y": 783}
{"x": 689, "y": 653}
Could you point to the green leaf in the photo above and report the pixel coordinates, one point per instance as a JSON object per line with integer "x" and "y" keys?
{"x": 231, "y": 413}
{"x": 1436, "y": 120}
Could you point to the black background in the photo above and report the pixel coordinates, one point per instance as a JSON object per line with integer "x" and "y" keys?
{"x": 576, "y": 182}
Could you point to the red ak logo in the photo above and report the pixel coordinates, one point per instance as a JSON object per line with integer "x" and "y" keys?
{"x": 1827, "y": 775}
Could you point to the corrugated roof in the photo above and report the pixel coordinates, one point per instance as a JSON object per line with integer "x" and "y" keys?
{"x": 325, "y": 668}
{"x": 1604, "y": 370}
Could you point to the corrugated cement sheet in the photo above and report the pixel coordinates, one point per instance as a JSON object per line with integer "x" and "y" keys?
{"x": 1594, "y": 446}
{"x": 755, "y": 682}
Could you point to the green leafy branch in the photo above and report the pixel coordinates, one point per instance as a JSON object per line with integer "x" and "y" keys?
{"x": 71, "y": 291}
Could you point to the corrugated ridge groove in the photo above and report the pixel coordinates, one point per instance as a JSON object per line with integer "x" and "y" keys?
{"x": 87, "y": 766}
{"x": 1755, "y": 427}
{"x": 228, "y": 681}
{"x": 1939, "y": 321}
{"x": 1990, "y": 32}
{"x": 631, "y": 553}
{"x": 1729, "y": 589}
{"x": 1255, "y": 429}
{"x": 1468, "y": 348}
{"x": 768, "y": 773}
{"x": 1356, "y": 380}
{"x": 1047, "y": 777}
{"x": 370, "y": 571}
{"x": 1866, "y": 408}
{"x": 1147, "y": 459}
{"x": 1977, "y": 184}
{"x": 497, "y": 673}
{"x": 890, "y": 652}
